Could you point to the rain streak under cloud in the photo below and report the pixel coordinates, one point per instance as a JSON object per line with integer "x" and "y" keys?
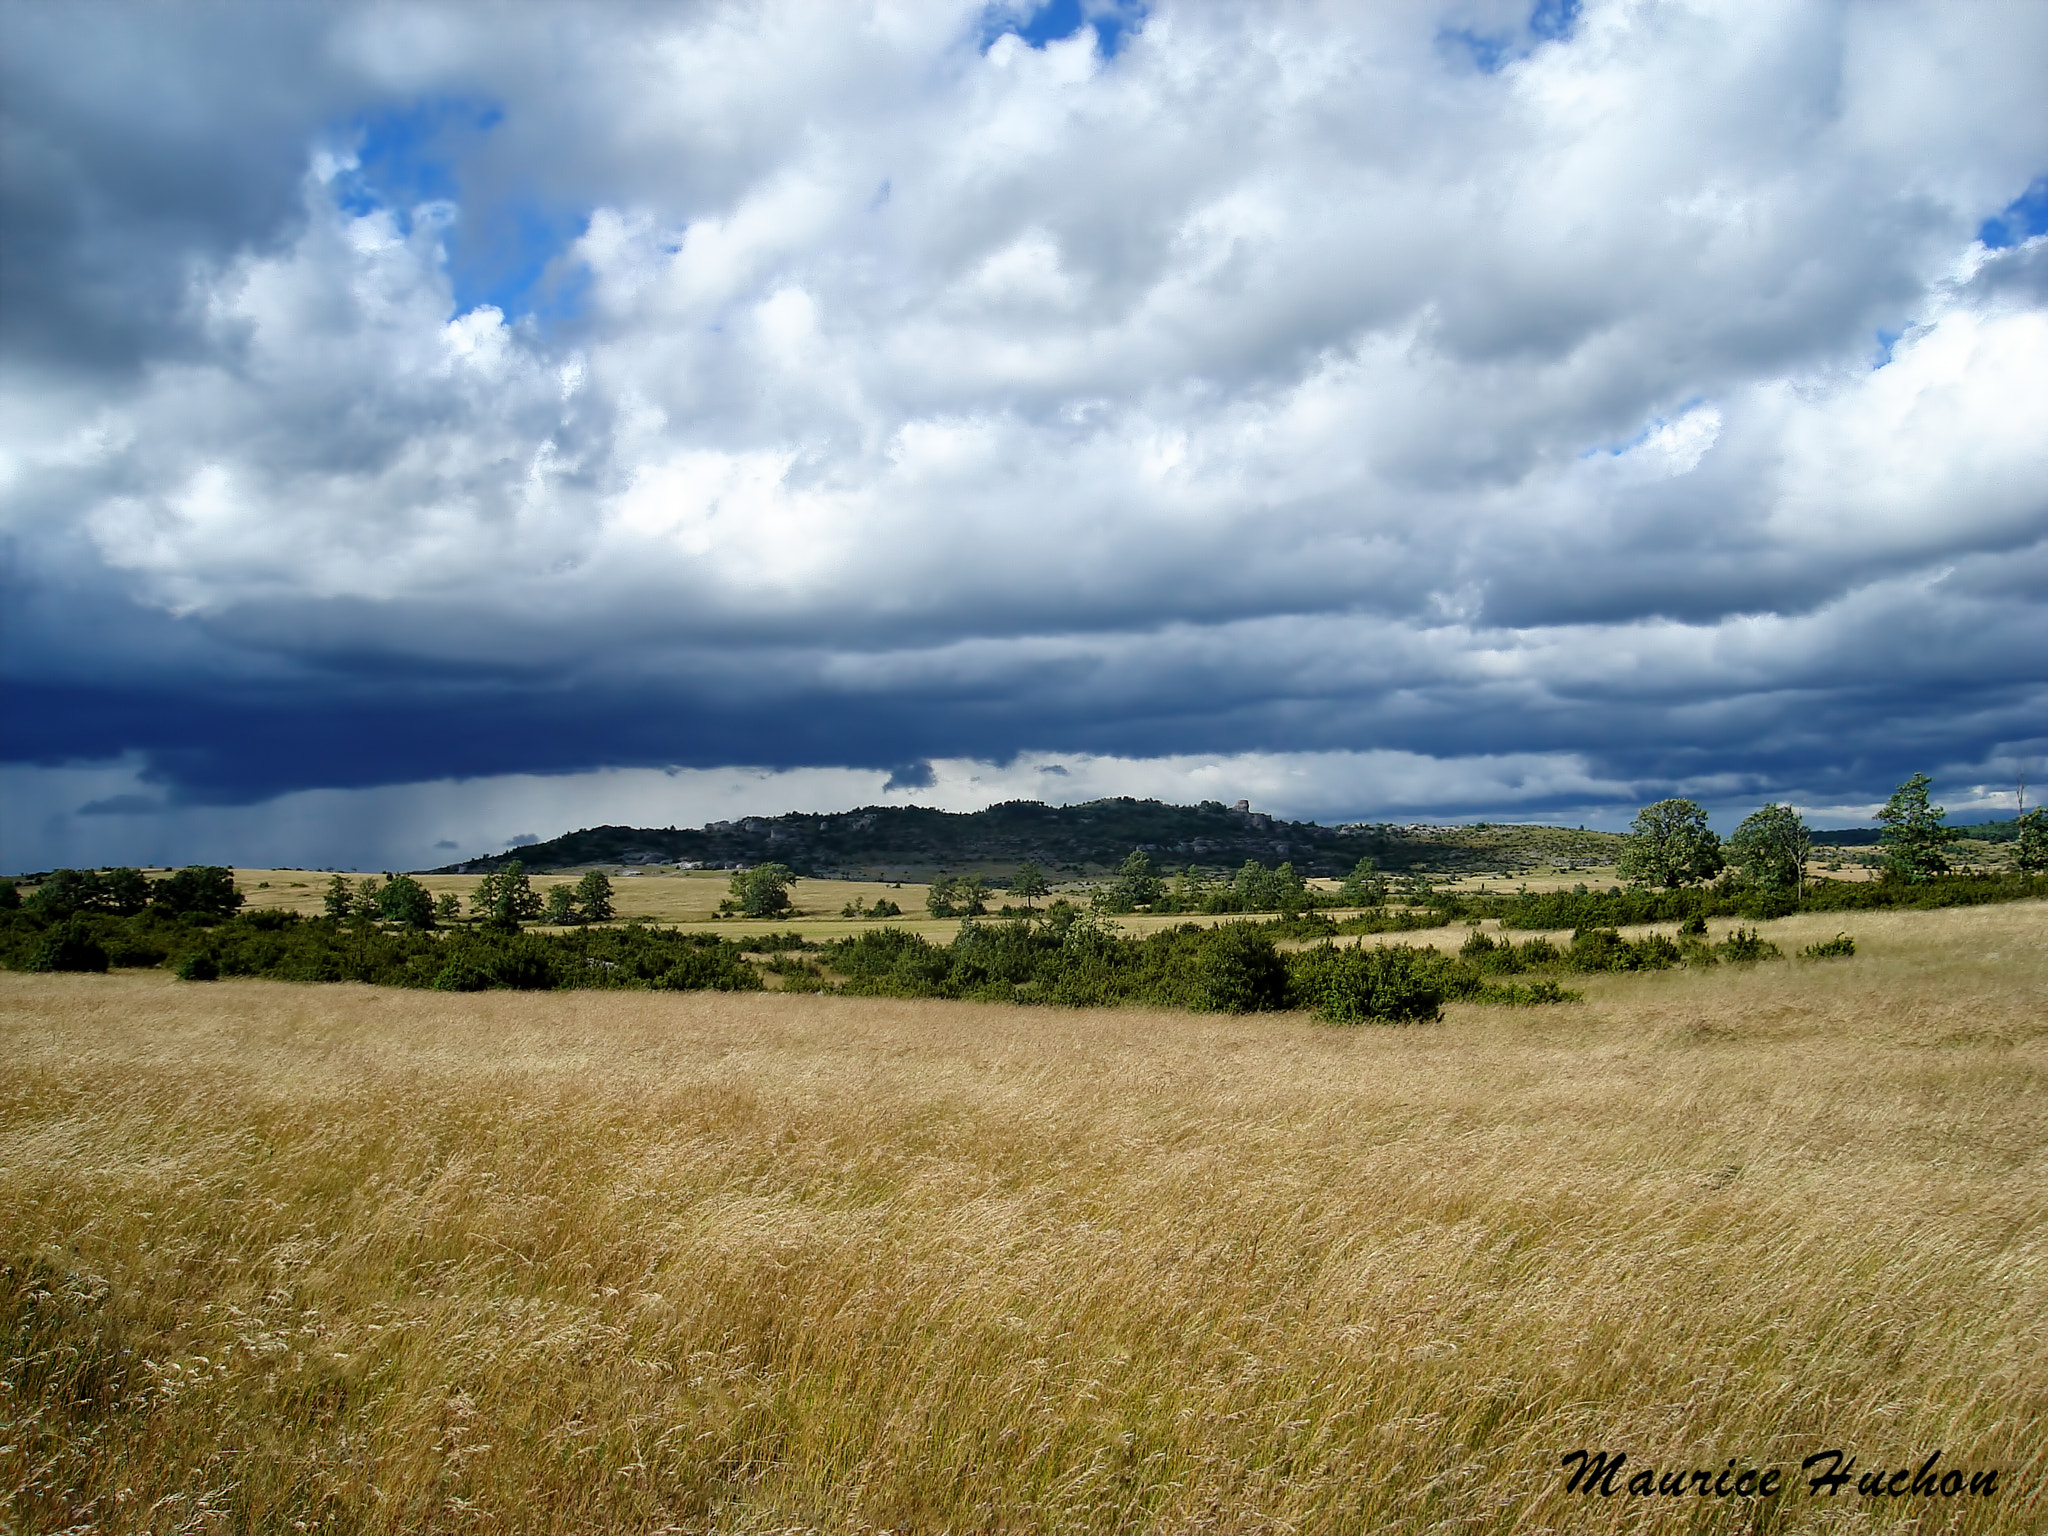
{"x": 423, "y": 425}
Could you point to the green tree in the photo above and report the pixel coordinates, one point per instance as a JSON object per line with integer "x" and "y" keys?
{"x": 447, "y": 907}
{"x": 1136, "y": 885}
{"x": 65, "y": 892}
{"x": 2030, "y": 850}
{"x": 340, "y": 899}
{"x": 1259, "y": 889}
{"x": 561, "y": 907}
{"x": 506, "y": 899}
{"x": 762, "y": 891}
{"x": 1913, "y": 833}
{"x": 1364, "y": 886}
{"x": 404, "y": 901}
{"x": 207, "y": 889}
{"x": 938, "y": 897}
{"x": 1670, "y": 844}
{"x": 1029, "y": 882}
{"x": 1771, "y": 847}
{"x": 1192, "y": 891}
{"x": 970, "y": 895}
{"x": 124, "y": 892}
{"x": 594, "y": 896}
{"x": 369, "y": 903}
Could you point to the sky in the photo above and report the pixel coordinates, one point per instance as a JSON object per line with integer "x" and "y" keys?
{"x": 428, "y": 426}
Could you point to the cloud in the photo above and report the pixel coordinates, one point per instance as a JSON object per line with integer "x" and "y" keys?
{"x": 910, "y": 776}
{"x": 839, "y": 390}
{"x": 123, "y": 805}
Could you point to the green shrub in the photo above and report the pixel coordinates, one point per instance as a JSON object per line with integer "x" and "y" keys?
{"x": 198, "y": 966}
{"x": 1237, "y": 970}
{"x": 70, "y": 946}
{"x": 1597, "y": 949}
{"x": 1603, "y": 949}
{"x": 1839, "y": 947}
{"x": 1386, "y": 984}
{"x": 1745, "y": 946}
{"x": 128, "y": 949}
{"x": 462, "y": 975}
{"x": 719, "y": 969}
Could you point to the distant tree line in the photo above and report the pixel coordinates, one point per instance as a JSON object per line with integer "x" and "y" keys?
{"x": 200, "y": 889}
{"x": 502, "y": 900}
{"x": 1671, "y": 846}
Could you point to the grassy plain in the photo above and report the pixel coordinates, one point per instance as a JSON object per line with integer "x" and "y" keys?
{"x": 595, "y": 1262}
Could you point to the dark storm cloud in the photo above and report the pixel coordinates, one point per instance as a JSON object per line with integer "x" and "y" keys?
{"x": 138, "y": 143}
{"x": 405, "y": 393}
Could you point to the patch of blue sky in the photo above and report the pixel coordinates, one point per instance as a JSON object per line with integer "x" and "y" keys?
{"x": 2021, "y": 219}
{"x": 1051, "y": 21}
{"x": 1657, "y": 424}
{"x": 1549, "y": 21}
{"x": 503, "y": 253}
{"x": 1553, "y": 21}
{"x": 509, "y": 256}
{"x": 403, "y": 154}
{"x": 1886, "y": 340}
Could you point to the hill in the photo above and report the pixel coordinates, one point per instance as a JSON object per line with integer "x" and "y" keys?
{"x": 906, "y": 842}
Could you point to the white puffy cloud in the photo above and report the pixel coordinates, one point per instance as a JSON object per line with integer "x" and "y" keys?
{"x": 1288, "y": 383}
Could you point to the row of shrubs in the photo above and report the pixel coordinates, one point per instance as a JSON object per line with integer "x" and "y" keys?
{"x": 1594, "y": 950}
{"x": 1228, "y": 968}
{"x": 1237, "y": 967}
{"x": 1069, "y": 957}
{"x": 1616, "y": 907}
{"x": 285, "y": 947}
{"x": 1256, "y": 889}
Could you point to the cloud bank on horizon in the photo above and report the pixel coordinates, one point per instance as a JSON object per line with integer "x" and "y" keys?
{"x": 1417, "y": 410}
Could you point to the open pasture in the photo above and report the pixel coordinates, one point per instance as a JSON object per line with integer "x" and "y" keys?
{"x": 588, "y": 1262}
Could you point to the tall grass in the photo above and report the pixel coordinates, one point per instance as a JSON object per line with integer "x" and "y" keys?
{"x": 386, "y": 1261}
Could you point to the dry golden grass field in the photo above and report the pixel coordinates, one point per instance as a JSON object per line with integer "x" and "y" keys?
{"x": 585, "y": 1262}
